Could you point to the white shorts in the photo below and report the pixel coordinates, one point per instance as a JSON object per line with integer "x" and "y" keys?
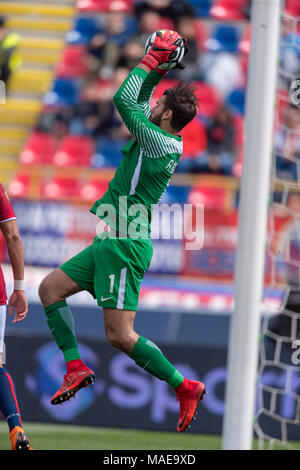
{"x": 2, "y": 330}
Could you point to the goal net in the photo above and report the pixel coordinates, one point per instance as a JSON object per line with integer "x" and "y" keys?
{"x": 277, "y": 418}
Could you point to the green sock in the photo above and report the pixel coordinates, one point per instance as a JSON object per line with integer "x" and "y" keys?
{"x": 148, "y": 356}
{"x": 61, "y": 324}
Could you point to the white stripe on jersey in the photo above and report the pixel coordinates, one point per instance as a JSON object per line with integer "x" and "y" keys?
{"x": 136, "y": 174}
{"x": 154, "y": 143}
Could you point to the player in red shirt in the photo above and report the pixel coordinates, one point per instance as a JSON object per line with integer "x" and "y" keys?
{"x": 18, "y": 302}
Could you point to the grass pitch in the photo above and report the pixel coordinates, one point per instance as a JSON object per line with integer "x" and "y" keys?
{"x": 67, "y": 437}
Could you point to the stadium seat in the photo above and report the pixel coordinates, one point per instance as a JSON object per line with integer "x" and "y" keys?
{"x": 64, "y": 92}
{"x": 244, "y": 44}
{"x": 238, "y": 165}
{"x": 105, "y": 5}
{"x": 19, "y": 186}
{"x": 201, "y": 34}
{"x": 243, "y": 60}
{"x": 175, "y": 195}
{"x": 29, "y": 23}
{"x": 213, "y": 198}
{"x": 282, "y": 100}
{"x": 292, "y": 8}
{"x": 166, "y": 23}
{"x": 74, "y": 151}
{"x": 201, "y": 8}
{"x": 36, "y": 9}
{"x": 93, "y": 189}
{"x": 238, "y": 123}
{"x": 210, "y": 99}
{"x": 72, "y": 63}
{"x": 132, "y": 24}
{"x": 236, "y": 101}
{"x": 84, "y": 29}
{"x": 228, "y": 9}
{"x": 194, "y": 138}
{"x": 161, "y": 87}
{"x": 20, "y": 111}
{"x": 60, "y": 188}
{"x": 39, "y": 149}
{"x": 223, "y": 38}
{"x": 108, "y": 153}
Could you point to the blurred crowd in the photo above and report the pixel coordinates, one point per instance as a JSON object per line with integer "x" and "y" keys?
{"x": 113, "y": 43}
{"x": 117, "y": 45}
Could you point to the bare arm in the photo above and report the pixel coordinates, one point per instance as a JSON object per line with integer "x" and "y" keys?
{"x": 16, "y": 255}
{"x": 14, "y": 247}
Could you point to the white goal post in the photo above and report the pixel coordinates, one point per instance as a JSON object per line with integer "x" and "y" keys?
{"x": 255, "y": 184}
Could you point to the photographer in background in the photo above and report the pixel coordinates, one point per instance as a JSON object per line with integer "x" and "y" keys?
{"x": 9, "y": 57}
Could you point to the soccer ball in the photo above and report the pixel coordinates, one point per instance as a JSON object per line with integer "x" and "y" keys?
{"x": 176, "y": 56}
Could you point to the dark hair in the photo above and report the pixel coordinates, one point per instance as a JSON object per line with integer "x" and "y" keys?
{"x": 2, "y": 21}
{"x": 183, "y": 102}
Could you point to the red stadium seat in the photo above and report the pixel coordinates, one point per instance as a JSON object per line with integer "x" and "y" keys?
{"x": 161, "y": 87}
{"x": 292, "y": 7}
{"x": 19, "y": 185}
{"x": 60, "y": 188}
{"x": 74, "y": 151}
{"x": 105, "y": 5}
{"x": 93, "y": 189}
{"x": 39, "y": 149}
{"x": 72, "y": 63}
{"x": 210, "y": 99}
{"x": 213, "y": 198}
{"x": 245, "y": 41}
{"x": 194, "y": 138}
{"x": 166, "y": 23}
{"x": 238, "y": 122}
{"x": 244, "y": 65}
{"x": 281, "y": 103}
{"x": 238, "y": 165}
{"x": 201, "y": 34}
{"x": 228, "y": 9}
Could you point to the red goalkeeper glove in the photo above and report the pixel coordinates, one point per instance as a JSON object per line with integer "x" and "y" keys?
{"x": 166, "y": 43}
{"x": 163, "y": 72}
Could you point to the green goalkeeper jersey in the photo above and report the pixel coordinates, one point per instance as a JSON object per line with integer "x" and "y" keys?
{"x": 150, "y": 159}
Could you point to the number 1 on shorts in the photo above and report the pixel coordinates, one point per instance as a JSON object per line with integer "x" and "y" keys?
{"x": 112, "y": 280}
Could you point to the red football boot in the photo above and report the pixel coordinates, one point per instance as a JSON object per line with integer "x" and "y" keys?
{"x": 73, "y": 382}
{"x": 188, "y": 394}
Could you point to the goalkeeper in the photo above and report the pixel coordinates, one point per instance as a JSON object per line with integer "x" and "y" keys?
{"x": 112, "y": 268}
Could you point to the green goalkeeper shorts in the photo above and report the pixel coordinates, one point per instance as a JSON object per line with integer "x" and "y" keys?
{"x": 111, "y": 269}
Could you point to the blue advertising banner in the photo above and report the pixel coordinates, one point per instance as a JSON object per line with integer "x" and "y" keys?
{"x": 53, "y": 232}
{"x": 124, "y": 395}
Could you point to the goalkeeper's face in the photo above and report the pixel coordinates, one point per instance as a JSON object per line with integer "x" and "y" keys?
{"x": 157, "y": 111}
